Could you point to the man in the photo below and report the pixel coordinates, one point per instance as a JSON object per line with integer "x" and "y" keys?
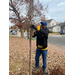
{"x": 41, "y": 42}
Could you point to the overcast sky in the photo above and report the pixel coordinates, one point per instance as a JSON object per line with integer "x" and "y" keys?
{"x": 56, "y": 10}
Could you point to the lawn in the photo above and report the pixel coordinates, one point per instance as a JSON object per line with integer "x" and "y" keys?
{"x": 19, "y": 58}
{"x": 57, "y": 33}
{"x": 13, "y": 36}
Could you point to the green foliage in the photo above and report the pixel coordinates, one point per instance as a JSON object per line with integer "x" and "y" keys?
{"x": 51, "y": 32}
{"x": 31, "y": 38}
{"x": 25, "y": 30}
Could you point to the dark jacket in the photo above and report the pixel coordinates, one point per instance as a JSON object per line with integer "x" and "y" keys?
{"x": 42, "y": 36}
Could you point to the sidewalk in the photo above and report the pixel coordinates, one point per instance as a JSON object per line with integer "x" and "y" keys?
{"x": 19, "y": 34}
{"x": 63, "y": 35}
{"x": 56, "y": 34}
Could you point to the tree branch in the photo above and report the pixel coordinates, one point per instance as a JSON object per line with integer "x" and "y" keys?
{"x": 10, "y": 9}
{"x": 10, "y": 4}
{"x": 14, "y": 10}
{"x": 11, "y": 1}
{"x": 13, "y": 18}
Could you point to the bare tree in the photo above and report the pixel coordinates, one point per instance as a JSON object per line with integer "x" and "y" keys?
{"x": 15, "y": 9}
{"x": 32, "y": 11}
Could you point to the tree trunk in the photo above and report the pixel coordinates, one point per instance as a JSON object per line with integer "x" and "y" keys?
{"x": 22, "y": 32}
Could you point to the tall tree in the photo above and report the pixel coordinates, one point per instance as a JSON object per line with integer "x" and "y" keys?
{"x": 19, "y": 7}
{"x": 33, "y": 10}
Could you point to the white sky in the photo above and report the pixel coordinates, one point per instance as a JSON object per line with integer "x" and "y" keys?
{"x": 56, "y": 10}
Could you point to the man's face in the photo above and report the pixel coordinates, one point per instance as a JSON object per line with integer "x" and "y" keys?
{"x": 43, "y": 26}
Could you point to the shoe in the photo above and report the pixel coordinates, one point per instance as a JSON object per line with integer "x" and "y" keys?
{"x": 45, "y": 71}
{"x": 35, "y": 68}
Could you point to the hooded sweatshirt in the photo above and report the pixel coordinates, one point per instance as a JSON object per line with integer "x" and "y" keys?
{"x": 42, "y": 37}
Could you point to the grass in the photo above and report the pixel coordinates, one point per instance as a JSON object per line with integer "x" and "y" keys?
{"x": 57, "y": 33}
{"x": 12, "y": 35}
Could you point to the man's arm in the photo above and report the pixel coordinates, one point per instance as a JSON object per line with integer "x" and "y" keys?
{"x": 41, "y": 30}
{"x": 35, "y": 34}
{"x": 44, "y": 32}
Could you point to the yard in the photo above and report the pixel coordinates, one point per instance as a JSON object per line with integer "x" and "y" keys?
{"x": 57, "y": 33}
{"x": 19, "y": 58}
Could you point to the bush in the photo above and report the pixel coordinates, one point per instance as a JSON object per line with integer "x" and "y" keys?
{"x": 51, "y": 32}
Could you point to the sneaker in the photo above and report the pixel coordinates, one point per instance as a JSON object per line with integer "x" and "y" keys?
{"x": 45, "y": 71}
{"x": 35, "y": 68}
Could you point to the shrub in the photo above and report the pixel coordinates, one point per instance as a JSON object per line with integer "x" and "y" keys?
{"x": 51, "y": 32}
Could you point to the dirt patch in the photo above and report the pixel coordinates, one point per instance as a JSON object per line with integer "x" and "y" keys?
{"x": 55, "y": 71}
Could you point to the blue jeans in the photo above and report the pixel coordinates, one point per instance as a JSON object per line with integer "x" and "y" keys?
{"x": 44, "y": 57}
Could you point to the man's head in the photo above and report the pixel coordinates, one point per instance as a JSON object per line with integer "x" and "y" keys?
{"x": 43, "y": 25}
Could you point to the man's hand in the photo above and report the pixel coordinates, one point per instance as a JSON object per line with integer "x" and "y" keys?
{"x": 33, "y": 26}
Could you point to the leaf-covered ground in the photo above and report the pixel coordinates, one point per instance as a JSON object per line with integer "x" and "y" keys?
{"x": 19, "y": 58}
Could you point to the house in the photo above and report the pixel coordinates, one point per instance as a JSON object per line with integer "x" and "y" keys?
{"x": 50, "y": 24}
{"x": 56, "y": 28}
{"x": 62, "y": 25}
{"x": 59, "y": 27}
